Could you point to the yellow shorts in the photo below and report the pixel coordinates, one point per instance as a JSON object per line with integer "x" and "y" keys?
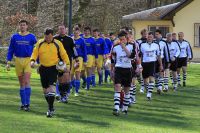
{"x": 22, "y": 65}
{"x": 73, "y": 70}
{"x": 100, "y": 61}
{"x": 91, "y": 61}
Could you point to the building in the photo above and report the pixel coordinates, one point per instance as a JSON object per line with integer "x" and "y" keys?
{"x": 178, "y": 17}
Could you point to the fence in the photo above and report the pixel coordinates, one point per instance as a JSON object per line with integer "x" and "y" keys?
{"x": 3, "y": 53}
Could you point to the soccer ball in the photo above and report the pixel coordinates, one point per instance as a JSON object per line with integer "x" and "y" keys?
{"x": 108, "y": 64}
{"x": 61, "y": 66}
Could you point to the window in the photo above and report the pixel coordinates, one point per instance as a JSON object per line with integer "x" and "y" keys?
{"x": 164, "y": 29}
{"x": 197, "y": 35}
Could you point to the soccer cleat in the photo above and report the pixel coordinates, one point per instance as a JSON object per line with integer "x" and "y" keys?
{"x": 165, "y": 90}
{"x": 141, "y": 90}
{"x": 116, "y": 112}
{"x": 149, "y": 96}
{"x": 22, "y": 107}
{"x": 184, "y": 84}
{"x": 125, "y": 112}
{"x": 159, "y": 92}
{"x": 57, "y": 97}
{"x": 27, "y": 108}
{"x": 76, "y": 94}
{"x": 64, "y": 100}
{"x": 49, "y": 114}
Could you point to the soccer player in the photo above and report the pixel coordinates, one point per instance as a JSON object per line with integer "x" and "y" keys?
{"x": 144, "y": 34}
{"x": 63, "y": 86}
{"x": 91, "y": 56}
{"x": 21, "y": 46}
{"x": 122, "y": 54}
{"x": 174, "y": 52}
{"x": 150, "y": 53}
{"x": 159, "y": 77}
{"x": 81, "y": 61}
{"x": 185, "y": 56}
{"x": 49, "y": 51}
{"x": 102, "y": 51}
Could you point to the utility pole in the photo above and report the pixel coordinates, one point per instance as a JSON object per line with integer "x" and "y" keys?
{"x": 70, "y": 17}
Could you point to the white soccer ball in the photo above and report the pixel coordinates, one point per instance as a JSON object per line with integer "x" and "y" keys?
{"x": 108, "y": 64}
{"x": 61, "y": 66}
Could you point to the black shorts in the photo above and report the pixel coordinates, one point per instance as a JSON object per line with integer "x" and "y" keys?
{"x": 173, "y": 65}
{"x": 164, "y": 63}
{"x": 48, "y": 76}
{"x": 182, "y": 62}
{"x": 123, "y": 76}
{"x": 148, "y": 69}
{"x": 134, "y": 67}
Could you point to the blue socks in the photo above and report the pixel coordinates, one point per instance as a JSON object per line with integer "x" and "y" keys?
{"x": 88, "y": 82}
{"x": 84, "y": 79}
{"x": 107, "y": 73}
{"x": 57, "y": 89}
{"x": 77, "y": 85}
{"x": 93, "y": 80}
{"x": 27, "y": 95}
{"x": 22, "y": 96}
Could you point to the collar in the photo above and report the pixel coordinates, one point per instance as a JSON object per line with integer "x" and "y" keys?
{"x": 24, "y": 34}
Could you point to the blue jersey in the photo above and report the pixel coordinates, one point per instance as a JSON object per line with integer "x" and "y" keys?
{"x": 81, "y": 48}
{"x": 91, "y": 46}
{"x": 21, "y": 46}
{"x": 101, "y": 45}
{"x": 109, "y": 44}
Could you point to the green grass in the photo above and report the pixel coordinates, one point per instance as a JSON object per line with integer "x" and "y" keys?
{"x": 92, "y": 112}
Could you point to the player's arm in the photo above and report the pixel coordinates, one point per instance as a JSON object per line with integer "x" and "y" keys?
{"x": 128, "y": 53}
{"x": 63, "y": 54}
{"x": 84, "y": 50}
{"x": 34, "y": 55}
{"x": 158, "y": 53}
{"x": 10, "y": 52}
{"x": 189, "y": 52}
{"x": 95, "y": 49}
{"x": 73, "y": 48}
{"x": 178, "y": 51}
{"x": 105, "y": 48}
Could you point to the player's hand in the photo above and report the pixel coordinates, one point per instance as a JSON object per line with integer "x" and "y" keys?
{"x": 139, "y": 69}
{"x": 32, "y": 64}
{"x": 8, "y": 66}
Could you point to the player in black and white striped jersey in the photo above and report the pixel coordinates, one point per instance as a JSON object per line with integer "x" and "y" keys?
{"x": 174, "y": 52}
{"x": 185, "y": 55}
{"x": 150, "y": 53}
{"x": 164, "y": 52}
{"x": 122, "y": 54}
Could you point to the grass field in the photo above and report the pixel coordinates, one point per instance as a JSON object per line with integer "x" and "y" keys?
{"x": 92, "y": 112}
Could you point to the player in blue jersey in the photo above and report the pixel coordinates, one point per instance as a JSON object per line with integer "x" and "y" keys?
{"x": 91, "y": 55}
{"x": 102, "y": 51}
{"x": 21, "y": 46}
{"x": 80, "y": 62}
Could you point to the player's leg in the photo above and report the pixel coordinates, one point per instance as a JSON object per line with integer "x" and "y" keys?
{"x": 166, "y": 80}
{"x": 27, "y": 77}
{"x": 78, "y": 75}
{"x": 133, "y": 91}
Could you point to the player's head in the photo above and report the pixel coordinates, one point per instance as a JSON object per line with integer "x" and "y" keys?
{"x": 112, "y": 36}
{"x": 144, "y": 33}
{"x": 158, "y": 34}
{"x": 180, "y": 36}
{"x": 150, "y": 37}
{"x": 76, "y": 32}
{"x": 169, "y": 37}
{"x": 48, "y": 34}
{"x": 87, "y": 31}
{"x": 62, "y": 30}
{"x": 96, "y": 33}
{"x": 122, "y": 37}
{"x": 174, "y": 36}
{"x": 23, "y": 25}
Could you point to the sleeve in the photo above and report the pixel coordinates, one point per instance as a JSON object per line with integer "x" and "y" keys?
{"x": 84, "y": 50}
{"x": 74, "y": 53}
{"x": 63, "y": 54}
{"x": 178, "y": 51}
{"x": 158, "y": 52}
{"x": 133, "y": 52}
{"x": 34, "y": 56}
{"x": 95, "y": 49}
{"x": 113, "y": 55}
{"x": 11, "y": 49}
{"x": 189, "y": 51}
{"x": 166, "y": 52}
{"x": 34, "y": 40}
{"x": 105, "y": 47}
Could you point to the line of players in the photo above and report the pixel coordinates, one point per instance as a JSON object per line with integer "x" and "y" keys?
{"x": 148, "y": 59}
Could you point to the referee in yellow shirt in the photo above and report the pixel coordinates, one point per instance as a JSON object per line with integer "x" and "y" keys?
{"x": 50, "y": 51}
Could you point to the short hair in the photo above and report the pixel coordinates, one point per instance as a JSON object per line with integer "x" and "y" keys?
{"x": 87, "y": 28}
{"x": 96, "y": 30}
{"x": 77, "y": 29}
{"x": 174, "y": 33}
{"x": 111, "y": 33}
{"x": 48, "y": 31}
{"x": 168, "y": 34}
{"x": 79, "y": 25}
{"x": 122, "y": 33}
{"x": 150, "y": 33}
{"x": 23, "y": 21}
{"x": 143, "y": 31}
{"x": 159, "y": 31}
{"x": 180, "y": 33}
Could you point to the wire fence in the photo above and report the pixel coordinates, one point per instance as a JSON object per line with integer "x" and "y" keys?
{"x": 3, "y": 53}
